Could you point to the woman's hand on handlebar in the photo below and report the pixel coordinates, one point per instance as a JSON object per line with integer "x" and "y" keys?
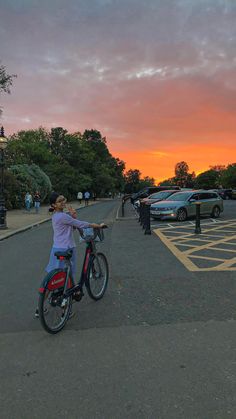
{"x": 103, "y": 225}
{"x": 94, "y": 225}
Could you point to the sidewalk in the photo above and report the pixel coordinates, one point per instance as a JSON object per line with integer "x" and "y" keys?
{"x": 21, "y": 220}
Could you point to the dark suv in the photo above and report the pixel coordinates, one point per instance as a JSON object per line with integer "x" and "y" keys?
{"x": 144, "y": 193}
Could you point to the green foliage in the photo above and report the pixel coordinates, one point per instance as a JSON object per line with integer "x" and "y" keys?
{"x": 11, "y": 191}
{"x": 181, "y": 173}
{"x": 228, "y": 176}
{"x": 208, "y": 180}
{"x": 182, "y": 177}
{"x": 167, "y": 182}
{"x": 6, "y": 81}
{"x": 28, "y": 147}
{"x": 73, "y": 162}
{"x": 29, "y": 178}
{"x": 134, "y": 183}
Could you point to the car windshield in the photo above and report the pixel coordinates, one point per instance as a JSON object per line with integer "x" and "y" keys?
{"x": 183, "y": 196}
{"x": 160, "y": 195}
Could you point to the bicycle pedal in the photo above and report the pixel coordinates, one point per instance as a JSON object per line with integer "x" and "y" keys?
{"x": 78, "y": 296}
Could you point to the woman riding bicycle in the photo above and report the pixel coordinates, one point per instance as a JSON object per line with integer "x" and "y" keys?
{"x": 63, "y": 225}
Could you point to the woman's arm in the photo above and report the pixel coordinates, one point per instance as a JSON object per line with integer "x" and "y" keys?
{"x": 67, "y": 219}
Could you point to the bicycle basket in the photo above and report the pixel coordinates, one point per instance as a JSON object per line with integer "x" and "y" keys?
{"x": 91, "y": 234}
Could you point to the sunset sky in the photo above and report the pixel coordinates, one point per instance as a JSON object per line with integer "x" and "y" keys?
{"x": 156, "y": 77}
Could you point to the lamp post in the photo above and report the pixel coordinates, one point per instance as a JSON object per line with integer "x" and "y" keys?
{"x": 3, "y": 144}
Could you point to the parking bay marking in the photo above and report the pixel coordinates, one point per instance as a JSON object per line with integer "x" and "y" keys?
{"x": 186, "y": 239}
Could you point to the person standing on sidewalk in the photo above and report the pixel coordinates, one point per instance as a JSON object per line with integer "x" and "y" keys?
{"x": 80, "y": 197}
{"x": 37, "y": 199}
{"x": 28, "y": 201}
{"x": 86, "y": 198}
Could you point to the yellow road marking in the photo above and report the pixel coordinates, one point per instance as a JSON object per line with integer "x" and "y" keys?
{"x": 228, "y": 263}
{"x": 226, "y": 235}
{"x": 205, "y": 246}
{"x": 223, "y": 250}
{"x": 185, "y": 260}
{"x": 206, "y": 258}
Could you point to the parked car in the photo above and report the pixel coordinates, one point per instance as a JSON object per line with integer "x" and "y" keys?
{"x": 181, "y": 205}
{"x": 155, "y": 197}
{"x": 144, "y": 193}
{"x": 233, "y": 193}
{"x": 225, "y": 193}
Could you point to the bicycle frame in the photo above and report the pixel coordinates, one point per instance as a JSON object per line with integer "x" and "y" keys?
{"x": 90, "y": 250}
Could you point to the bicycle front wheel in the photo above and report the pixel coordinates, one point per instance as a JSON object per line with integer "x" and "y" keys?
{"x": 97, "y": 276}
{"x": 54, "y": 310}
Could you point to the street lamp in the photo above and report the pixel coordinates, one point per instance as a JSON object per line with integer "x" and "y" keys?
{"x": 3, "y": 144}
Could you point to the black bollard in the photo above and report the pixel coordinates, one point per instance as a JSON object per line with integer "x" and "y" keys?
{"x": 144, "y": 216}
{"x": 147, "y": 224}
{"x": 197, "y": 225}
{"x": 141, "y": 213}
{"x": 139, "y": 216}
{"x": 123, "y": 208}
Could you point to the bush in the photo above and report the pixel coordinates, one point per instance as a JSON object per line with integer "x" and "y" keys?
{"x": 11, "y": 191}
{"x": 29, "y": 178}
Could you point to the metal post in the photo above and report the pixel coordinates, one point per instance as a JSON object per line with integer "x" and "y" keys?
{"x": 147, "y": 224}
{"x": 197, "y": 225}
{"x": 144, "y": 216}
{"x": 122, "y": 208}
{"x": 3, "y": 222}
{"x": 141, "y": 213}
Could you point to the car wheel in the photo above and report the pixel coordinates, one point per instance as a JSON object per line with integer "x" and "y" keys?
{"x": 227, "y": 197}
{"x": 215, "y": 212}
{"x": 181, "y": 214}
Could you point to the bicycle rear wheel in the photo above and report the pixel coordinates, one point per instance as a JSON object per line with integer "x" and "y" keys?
{"x": 97, "y": 276}
{"x": 54, "y": 310}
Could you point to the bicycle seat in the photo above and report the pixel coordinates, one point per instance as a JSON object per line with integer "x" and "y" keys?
{"x": 66, "y": 254}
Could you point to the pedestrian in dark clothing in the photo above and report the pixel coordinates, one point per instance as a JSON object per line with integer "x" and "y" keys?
{"x": 37, "y": 200}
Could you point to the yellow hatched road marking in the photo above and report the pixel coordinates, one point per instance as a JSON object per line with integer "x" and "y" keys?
{"x": 207, "y": 246}
{"x": 206, "y": 258}
{"x": 184, "y": 238}
{"x": 185, "y": 260}
{"x": 223, "y": 250}
{"x": 228, "y": 263}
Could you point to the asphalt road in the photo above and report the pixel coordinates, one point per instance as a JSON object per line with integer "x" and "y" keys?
{"x": 161, "y": 344}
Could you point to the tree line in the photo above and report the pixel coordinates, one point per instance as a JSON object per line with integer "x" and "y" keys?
{"x": 44, "y": 160}
{"x": 218, "y": 176}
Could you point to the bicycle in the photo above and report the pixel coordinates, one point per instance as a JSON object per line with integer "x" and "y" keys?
{"x": 58, "y": 288}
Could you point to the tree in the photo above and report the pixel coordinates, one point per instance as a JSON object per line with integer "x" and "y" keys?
{"x": 228, "y": 177}
{"x": 73, "y": 162}
{"x": 6, "y": 81}
{"x": 146, "y": 181}
{"x": 30, "y": 178}
{"x": 28, "y": 147}
{"x": 181, "y": 174}
{"x": 132, "y": 180}
{"x": 167, "y": 182}
{"x": 208, "y": 179}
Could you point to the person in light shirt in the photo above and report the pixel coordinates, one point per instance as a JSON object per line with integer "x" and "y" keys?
{"x": 63, "y": 226}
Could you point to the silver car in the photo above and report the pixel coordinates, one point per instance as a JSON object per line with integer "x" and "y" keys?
{"x": 182, "y": 205}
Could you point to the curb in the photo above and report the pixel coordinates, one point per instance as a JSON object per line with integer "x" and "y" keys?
{"x": 20, "y": 230}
